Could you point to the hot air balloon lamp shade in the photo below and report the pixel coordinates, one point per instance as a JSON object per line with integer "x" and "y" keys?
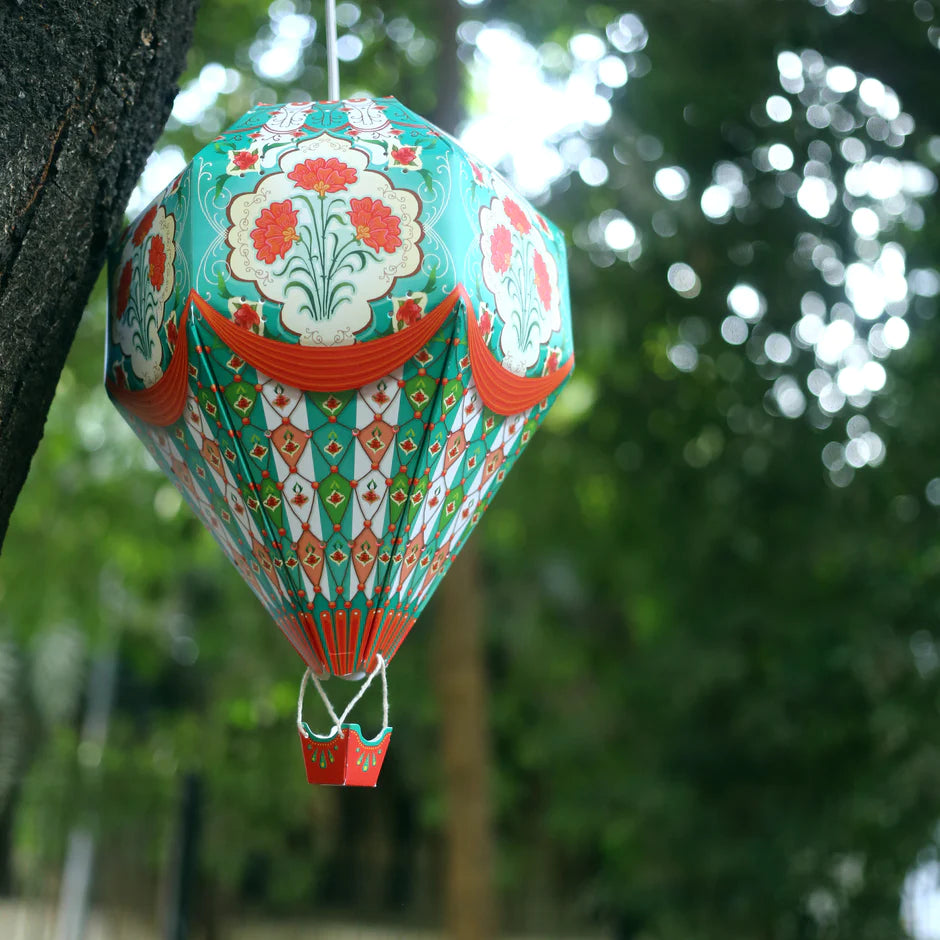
{"x": 335, "y": 332}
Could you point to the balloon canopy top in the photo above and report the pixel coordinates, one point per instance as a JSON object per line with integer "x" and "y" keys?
{"x": 332, "y": 223}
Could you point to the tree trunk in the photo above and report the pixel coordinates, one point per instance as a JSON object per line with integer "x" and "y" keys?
{"x": 85, "y": 90}
{"x": 459, "y": 655}
{"x": 461, "y": 693}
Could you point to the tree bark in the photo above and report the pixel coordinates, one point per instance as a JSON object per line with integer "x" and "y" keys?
{"x": 85, "y": 90}
{"x": 465, "y": 750}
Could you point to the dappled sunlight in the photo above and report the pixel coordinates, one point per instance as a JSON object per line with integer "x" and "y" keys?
{"x": 277, "y": 56}
{"x": 523, "y": 113}
{"x": 531, "y": 105}
{"x": 683, "y": 280}
{"x": 832, "y": 132}
{"x": 879, "y": 193}
{"x": 920, "y": 901}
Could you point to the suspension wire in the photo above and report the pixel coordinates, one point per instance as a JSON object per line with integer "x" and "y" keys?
{"x": 332, "y": 61}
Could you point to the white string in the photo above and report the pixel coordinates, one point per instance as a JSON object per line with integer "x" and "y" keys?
{"x": 300, "y": 703}
{"x": 384, "y": 693}
{"x": 338, "y": 722}
{"x": 332, "y": 62}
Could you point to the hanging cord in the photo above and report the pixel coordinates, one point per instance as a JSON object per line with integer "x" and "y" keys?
{"x": 338, "y": 722}
{"x": 332, "y": 62}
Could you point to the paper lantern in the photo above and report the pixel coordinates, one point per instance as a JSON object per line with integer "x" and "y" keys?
{"x": 335, "y": 332}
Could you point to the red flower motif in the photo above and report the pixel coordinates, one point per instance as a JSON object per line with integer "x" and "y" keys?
{"x": 124, "y": 289}
{"x": 323, "y": 176}
{"x": 551, "y": 360}
{"x": 157, "y": 262}
{"x": 486, "y": 321}
{"x": 171, "y": 333}
{"x": 477, "y": 173}
{"x": 143, "y": 227}
{"x": 501, "y": 249}
{"x": 408, "y": 313}
{"x": 374, "y": 224}
{"x": 120, "y": 377}
{"x": 276, "y": 231}
{"x": 246, "y": 317}
{"x": 542, "y": 284}
{"x": 404, "y": 155}
{"x": 516, "y": 216}
{"x": 244, "y": 159}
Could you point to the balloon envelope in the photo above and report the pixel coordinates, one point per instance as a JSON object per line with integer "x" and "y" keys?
{"x": 335, "y": 332}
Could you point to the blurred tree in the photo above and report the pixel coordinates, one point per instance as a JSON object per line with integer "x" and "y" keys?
{"x": 738, "y": 628}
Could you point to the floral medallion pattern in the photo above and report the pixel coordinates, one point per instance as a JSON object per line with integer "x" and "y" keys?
{"x": 521, "y": 271}
{"x": 325, "y": 237}
{"x": 143, "y": 286}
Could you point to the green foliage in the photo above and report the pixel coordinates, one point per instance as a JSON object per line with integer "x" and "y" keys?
{"x": 714, "y": 681}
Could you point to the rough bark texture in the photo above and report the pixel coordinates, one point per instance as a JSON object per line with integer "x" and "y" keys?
{"x": 85, "y": 89}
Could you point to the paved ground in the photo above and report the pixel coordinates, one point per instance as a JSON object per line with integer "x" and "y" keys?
{"x": 22, "y": 921}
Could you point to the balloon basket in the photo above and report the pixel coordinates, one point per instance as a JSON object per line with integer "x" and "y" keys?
{"x": 344, "y": 759}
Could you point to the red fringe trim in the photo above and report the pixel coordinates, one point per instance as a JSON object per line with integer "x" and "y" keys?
{"x": 327, "y": 368}
{"x": 163, "y": 402}
{"x": 500, "y": 390}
